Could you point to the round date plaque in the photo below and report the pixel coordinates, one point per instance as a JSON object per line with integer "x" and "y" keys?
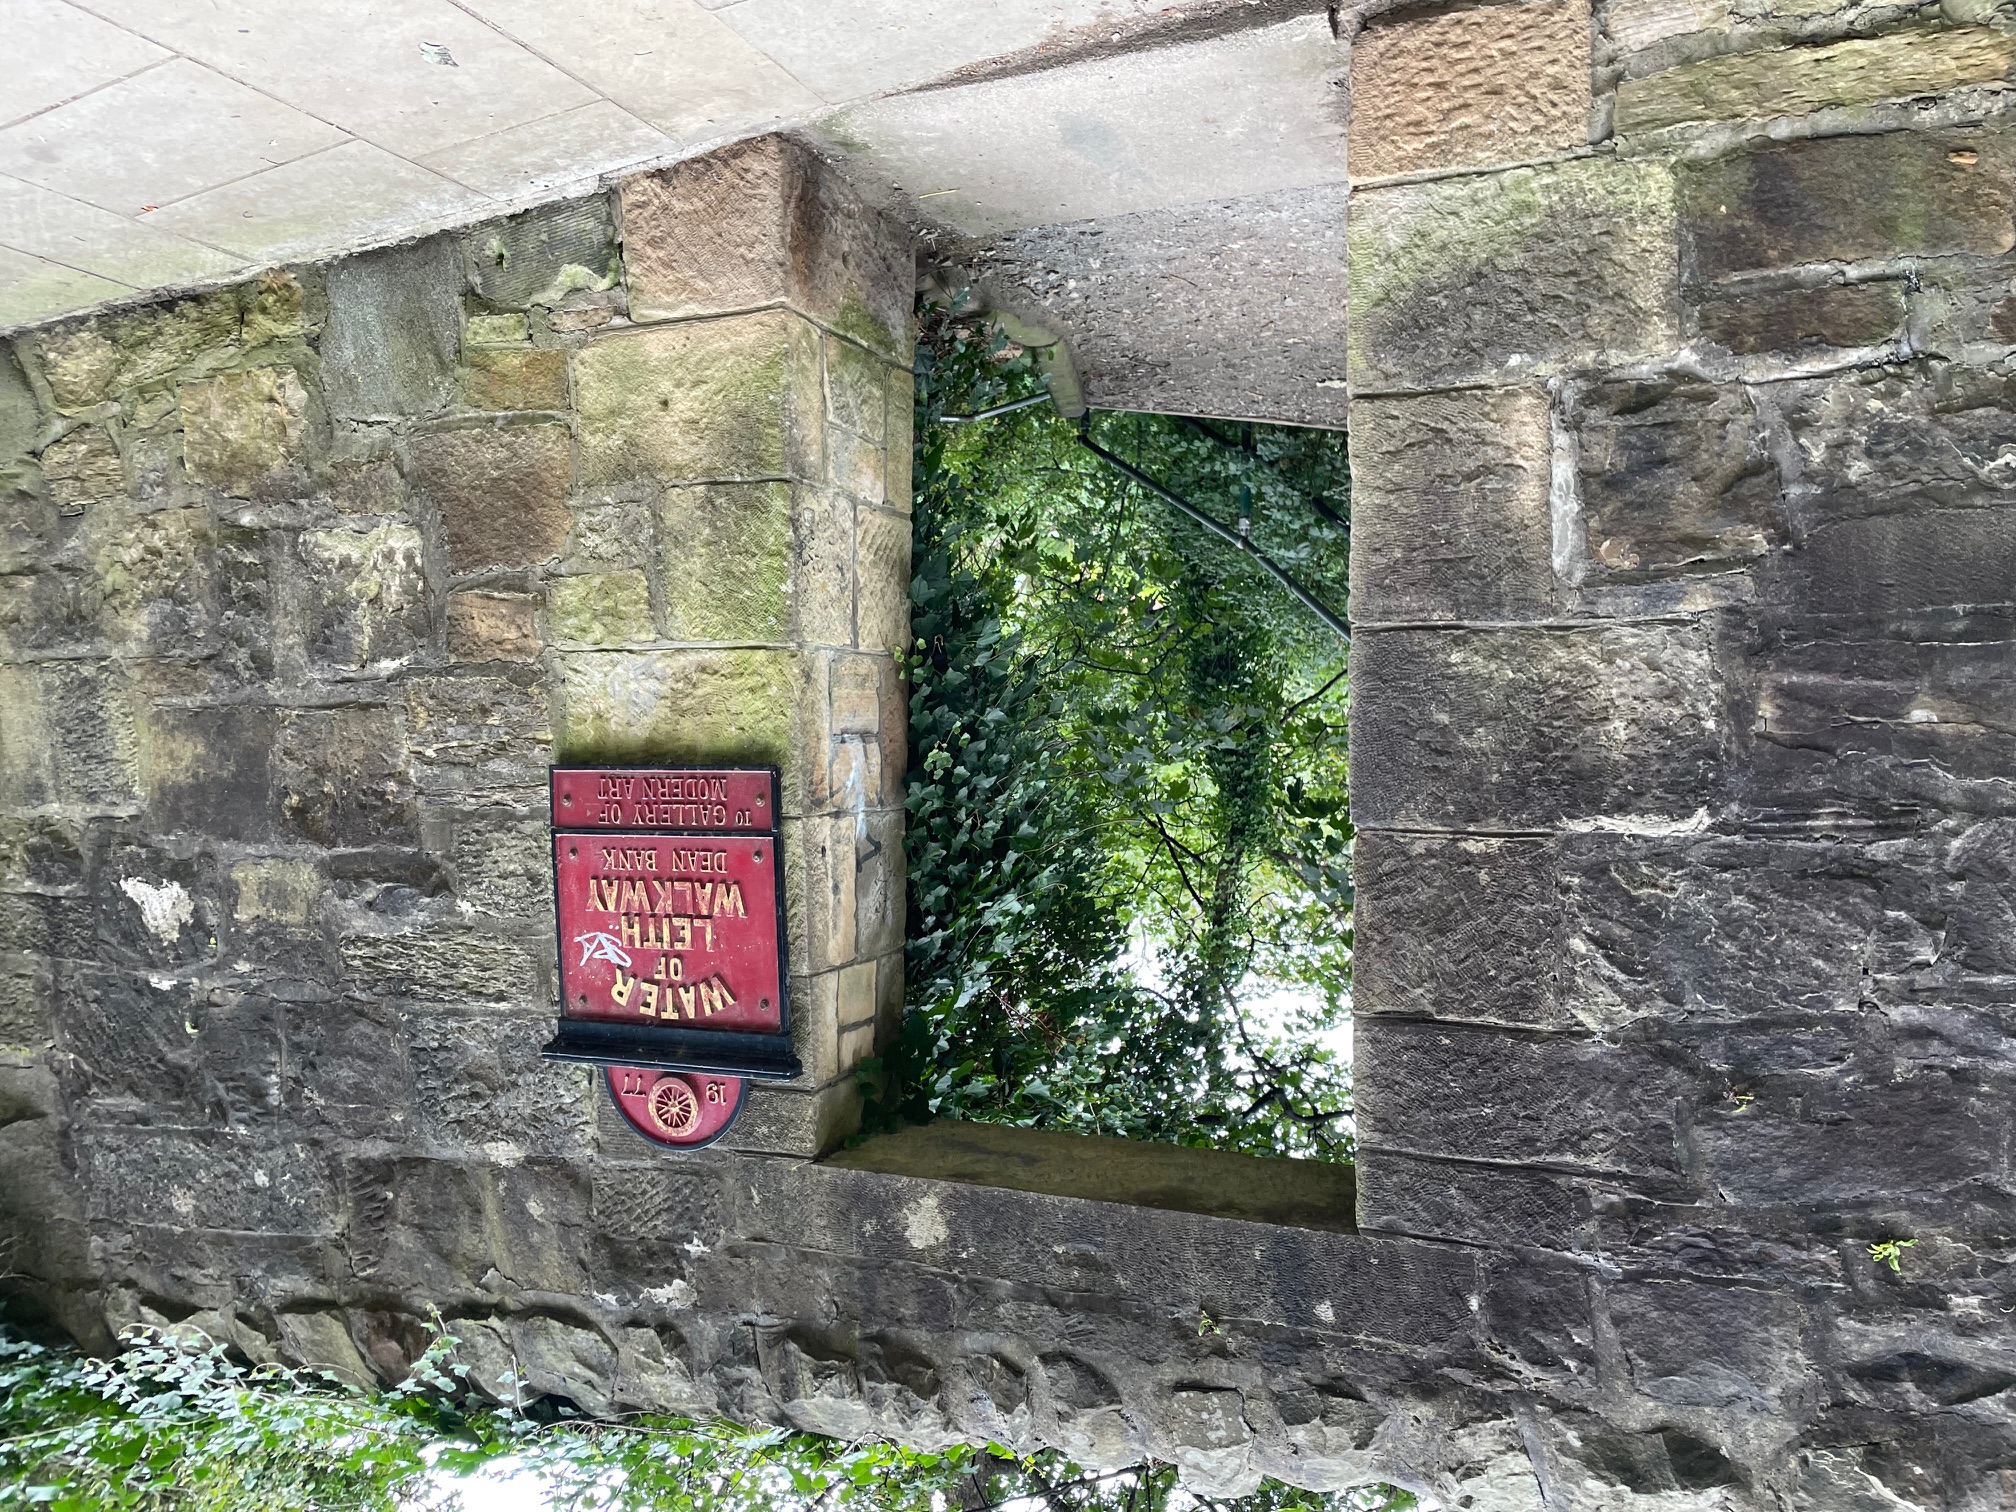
{"x": 684, "y": 1109}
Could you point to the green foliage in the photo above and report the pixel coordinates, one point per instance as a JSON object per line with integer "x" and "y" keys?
{"x": 1890, "y": 1252}
{"x": 1128, "y": 814}
{"x": 176, "y": 1424}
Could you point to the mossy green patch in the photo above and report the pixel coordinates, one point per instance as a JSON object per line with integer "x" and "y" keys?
{"x": 1511, "y": 273}
{"x": 599, "y": 609}
{"x": 704, "y": 707}
{"x": 725, "y": 561}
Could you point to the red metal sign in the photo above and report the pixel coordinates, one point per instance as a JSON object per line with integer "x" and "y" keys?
{"x": 658, "y": 930}
{"x": 663, "y": 799}
{"x": 674, "y": 1108}
{"x": 671, "y": 915}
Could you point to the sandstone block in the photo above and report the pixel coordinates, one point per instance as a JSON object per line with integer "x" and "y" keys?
{"x": 857, "y": 393}
{"x": 496, "y": 330}
{"x": 97, "y": 359}
{"x": 820, "y": 894}
{"x": 1437, "y": 1089}
{"x": 515, "y": 379}
{"x": 132, "y": 1040}
{"x": 368, "y": 592}
{"x": 395, "y": 325}
{"x": 502, "y": 493}
{"x": 208, "y": 771}
{"x": 1901, "y": 439}
{"x": 493, "y": 627}
{"x": 784, "y": 1121}
{"x": 703, "y": 707}
{"x": 1498, "y": 277}
{"x": 540, "y": 257}
{"x": 478, "y": 1082}
{"x": 1522, "y": 729}
{"x": 617, "y": 533}
{"x": 1635, "y": 25}
{"x": 204, "y": 1179}
{"x": 245, "y": 432}
{"x": 882, "y": 567}
{"x": 823, "y": 574}
{"x": 1836, "y": 315}
{"x": 898, "y": 431}
{"x": 1469, "y": 88}
{"x": 503, "y": 862}
{"x": 90, "y": 730}
{"x": 599, "y": 609}
{"x": 277, "y": 891}
{"x": 341, "y": 776}
{"x": 1797, "y": 81}
{"x": 1459, "y": 928}
{"x": 27, "y": 1003}
{"x": 854, "y": 466}
{"x": 764, "y": 222}
{"x": 1477, "y": 1204}
{"x": 82, "y": 468}
{"x": 854, "y": 686}
{"x": 371, "y": 487}
{"x": 717, "y": 401}
{"x": 485, "y": 736}
{"x": 1449, "y": 506}
{"x": 726, "y": 561}
{"x": 878, "y": 882}
{"x": 1698, "y": 1346}
{"x": 1839, "y": 199}
{"x": 1673, "y": 476}
{"x": 442, "y": 966}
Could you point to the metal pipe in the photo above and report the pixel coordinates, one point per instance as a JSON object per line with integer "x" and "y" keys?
{"x": 1191, "y": 512}
{"x": 999, "y": 409}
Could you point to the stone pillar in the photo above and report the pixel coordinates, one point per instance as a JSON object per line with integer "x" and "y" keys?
{"x": 1680, "y": 425}
{"x": 753, "y": 420}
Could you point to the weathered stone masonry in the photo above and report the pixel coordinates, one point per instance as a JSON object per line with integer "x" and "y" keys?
{"x": 1680, "y": 355}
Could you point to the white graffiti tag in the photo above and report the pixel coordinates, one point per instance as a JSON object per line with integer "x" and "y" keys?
{"x": 597, "y": 946}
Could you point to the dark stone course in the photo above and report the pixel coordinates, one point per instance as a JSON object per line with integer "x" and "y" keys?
{"x": 1523, "y": 728}
{"x": 1673, "y": 477}
{"x": 1845, "y": 198}
{"x": 1797, "y": 320}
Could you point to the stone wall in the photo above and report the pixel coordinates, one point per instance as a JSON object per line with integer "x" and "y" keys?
{"x": 1680, "y": 387}
{"x": 307, "y": 581}
{"x": 1683, "y": 423}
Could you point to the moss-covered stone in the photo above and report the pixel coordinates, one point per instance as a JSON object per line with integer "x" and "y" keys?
{"x": 156, "y": 577}
{"x": 712, "y": 401}
{"x": 1513, "y": 273}
{"x": 83, "y": 467}
{"x": 88, "y": 363}
{"x": 274, "y": 309}
{"x": 707, "y": 707}
{"x": 244, "y": 432}
{"x": 19, "y": 420}
{"x": 725, "y": 561}
{"x": 515, "y": 379}
{"x": 1841, "y": 199}
{"x": 496, "y": 330}
{"x": 599, "y": 609}
{"x": 1798, "y": 81}
{"x": 882, "y": 578}
{"x": 545, "y": 254}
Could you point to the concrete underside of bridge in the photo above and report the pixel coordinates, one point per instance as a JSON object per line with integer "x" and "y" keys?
{"x": 1680, "y": 377}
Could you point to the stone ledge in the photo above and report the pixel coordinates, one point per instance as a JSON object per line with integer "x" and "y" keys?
{"x": 1215, "y": 1183}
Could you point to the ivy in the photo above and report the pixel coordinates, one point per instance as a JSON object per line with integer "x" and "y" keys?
{"x": 1127, "y": 807}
